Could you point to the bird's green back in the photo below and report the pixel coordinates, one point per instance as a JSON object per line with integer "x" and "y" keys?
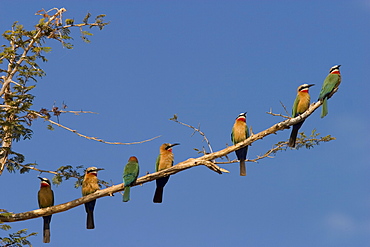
{"x": 295, "y": 106}
{"x": 330, "y": 82}
{"x": 232, "y": 136}
{"x": 131, "y": 172}
{"x": 157, "y": 162}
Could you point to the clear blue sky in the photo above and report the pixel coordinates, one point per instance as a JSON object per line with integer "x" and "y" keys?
{"x": 206, "y": 61}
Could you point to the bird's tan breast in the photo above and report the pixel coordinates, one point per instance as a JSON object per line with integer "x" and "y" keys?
{"x": 304, "y": 102}
{"x": 239, "y": 131}
{"x": 166, "y": 160}
{"x": 89, "y": 184}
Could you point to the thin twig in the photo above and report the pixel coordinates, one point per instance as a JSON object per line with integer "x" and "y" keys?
{"x": 89, "y": 137}
{"x": 277, "y": 115}
{"x": 267, "y": 154}
{"x": 259, "y": 157}
{"x": 212, "y": 166}
{"x": 195, "y": 130}
{"x": 78, "y": 112}
{"x": 36, "y": 169}
{"x": 286, "y": 111}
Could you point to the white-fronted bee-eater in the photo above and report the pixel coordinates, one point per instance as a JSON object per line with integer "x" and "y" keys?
{"x": 331, "y": 82}
{"x": 164, "y": 160}
{"x": 46, "y": 199}
{"x": 239, "y": 133}
{"x": 130, "y": 174}
{"x": 90, "y": 185}
{"x": 300, "y": 105}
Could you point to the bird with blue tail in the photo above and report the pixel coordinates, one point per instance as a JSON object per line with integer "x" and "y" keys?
{"x": 239, "y": 133}
{"x": 300, "y": 105}
{"x": 164, "y": 160}
{"x": 130, "y": 174}
{"x": 45, "y": 198}
{"x": 330, "y": 83}
{"x": 90, "y": 185}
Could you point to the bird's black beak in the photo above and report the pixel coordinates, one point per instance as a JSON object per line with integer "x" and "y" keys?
{"x": 310, "y": 85}
{"x": 99, "y": 169}
{"x": 172, "y": 145}
{"x": 339, "y": 65}
{"x": 40, "y": 178}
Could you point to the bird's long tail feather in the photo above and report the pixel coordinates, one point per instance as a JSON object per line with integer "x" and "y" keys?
{"x": 294, "y": 133}
{"x": 241, "y": 154}
{"x": 324, "y": 109}
{"x": 46, "y": 230}
{"x": 158, "y": 195}
{"x": 293, "y": 137}
{"x": 243, "y": 169}
{"x": 89, "y": 207}
{"x": 126, "y": 195}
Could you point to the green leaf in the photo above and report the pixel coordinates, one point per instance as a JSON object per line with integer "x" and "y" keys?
{"x": 174, "y": 118}
{"x": 57, "y": 179}
{"x": 86, "y": 18}
{"x": 46, "y": 49}
{"x": 69, "y": 21}
{"x": 86, "y": 33}
{"x": 68, "y": 45}
{"x": 5, "y": 227}
{"x": 42, "y": 21}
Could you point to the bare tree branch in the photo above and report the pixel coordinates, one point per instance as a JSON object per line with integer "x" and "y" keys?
{"x": 187, "y": 164}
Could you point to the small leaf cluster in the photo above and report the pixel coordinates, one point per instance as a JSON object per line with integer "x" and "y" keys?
{"x": 17, "y": 239}
{"x": 304, "y": 141}
{"x": 314, "y": 139}
{"x": 67, "y": 172}
{"x": 5, "y": 214}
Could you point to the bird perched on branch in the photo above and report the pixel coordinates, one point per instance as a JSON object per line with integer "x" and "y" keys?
{"x": 164, "y": 160}
{"x": 130, "y": 174}
{"x": 239, "y": 133}
{"x": 46, "y": 199}
{"x": 331, "y": 82}
{"x": 300, "y": 105}
{"x": 90, "y": 185}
